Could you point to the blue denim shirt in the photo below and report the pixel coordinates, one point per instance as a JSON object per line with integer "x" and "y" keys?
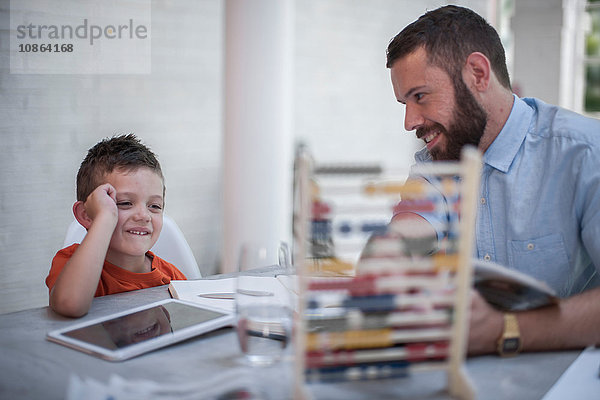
{"x": 539, "y": 207}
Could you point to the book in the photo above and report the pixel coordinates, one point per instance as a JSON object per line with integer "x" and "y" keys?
{"x": 189, "y": 290}
{"x": 510, "y": 290}
{"x": 504, "y": 288}
{"x": 220, "y": 293}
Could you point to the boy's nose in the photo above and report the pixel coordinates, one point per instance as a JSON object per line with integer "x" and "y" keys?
{"x": 142, "y": 213}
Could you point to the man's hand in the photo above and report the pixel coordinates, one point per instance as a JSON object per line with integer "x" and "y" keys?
{"x": 486, "y": 325}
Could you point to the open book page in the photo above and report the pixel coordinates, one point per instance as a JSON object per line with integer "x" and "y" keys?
{"x": 220, "y": 293}
{"x": 191, "y": 289}
{"x": 290, "y": 282}
{"x": 509, "y": 289}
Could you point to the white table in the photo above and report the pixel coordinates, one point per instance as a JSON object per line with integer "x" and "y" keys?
{"x": 33, "y": 368}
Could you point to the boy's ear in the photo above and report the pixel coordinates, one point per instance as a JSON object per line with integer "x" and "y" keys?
{"x": 81, "y": 215}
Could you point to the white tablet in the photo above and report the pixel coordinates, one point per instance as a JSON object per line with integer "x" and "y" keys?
{"x": 139, "y": 330}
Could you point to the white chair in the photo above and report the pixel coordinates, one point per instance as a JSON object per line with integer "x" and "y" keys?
{"x": 170, "y": 246}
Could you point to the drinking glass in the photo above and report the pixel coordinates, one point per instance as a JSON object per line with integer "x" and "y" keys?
{"x": 262, "y": 255}
{"x": 263, "y": 304}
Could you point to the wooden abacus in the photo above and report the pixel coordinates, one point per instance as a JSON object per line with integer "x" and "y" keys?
{"x": 398, "y": 309}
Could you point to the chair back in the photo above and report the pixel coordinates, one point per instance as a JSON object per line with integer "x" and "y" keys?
{"x": 170, "y": 246}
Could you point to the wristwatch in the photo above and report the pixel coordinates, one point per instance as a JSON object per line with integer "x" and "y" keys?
{"x": 509, "y": 343}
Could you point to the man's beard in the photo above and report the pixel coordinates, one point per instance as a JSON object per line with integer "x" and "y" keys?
{"x": 466, "y": 127}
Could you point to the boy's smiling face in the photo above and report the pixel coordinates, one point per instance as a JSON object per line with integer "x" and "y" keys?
{"x": 140, "y": 204}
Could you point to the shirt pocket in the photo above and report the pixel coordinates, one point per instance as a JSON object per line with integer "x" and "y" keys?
{"x": 544, "y": 258}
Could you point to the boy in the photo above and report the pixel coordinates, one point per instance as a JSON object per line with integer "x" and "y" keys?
{"x": 120, "y": 201}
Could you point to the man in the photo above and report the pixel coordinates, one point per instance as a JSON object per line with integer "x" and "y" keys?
{"x": 539, "y": 210}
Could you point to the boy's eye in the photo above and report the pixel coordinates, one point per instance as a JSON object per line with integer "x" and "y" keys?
{"x": 155, "y": 207}
{"x": 123, "y": 203}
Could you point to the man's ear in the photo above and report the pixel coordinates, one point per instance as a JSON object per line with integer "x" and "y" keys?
{"x": 81, "y": 215}
{"x": 477, "y": 72}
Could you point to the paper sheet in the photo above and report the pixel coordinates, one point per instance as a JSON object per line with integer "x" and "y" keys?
{"x": 189, "y": 290}
{"x": 581, "y": 380}
{"x": 231, "y": 384}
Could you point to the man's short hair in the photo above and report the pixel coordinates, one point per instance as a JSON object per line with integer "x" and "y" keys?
{"x": 123, "y": 152}
{"x": 449, "y": 35}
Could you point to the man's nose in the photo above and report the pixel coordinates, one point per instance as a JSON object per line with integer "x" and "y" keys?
{"x": 412, "y": 117}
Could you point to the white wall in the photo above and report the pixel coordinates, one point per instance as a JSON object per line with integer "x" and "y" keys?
{"x": 47, "y": 123}
{"x": 345, "y": 106}
{"x": 537, "y": 25}
{"x": 344, "y": 109}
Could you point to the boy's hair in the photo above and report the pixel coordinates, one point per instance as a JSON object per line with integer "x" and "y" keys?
{"x": 124, "y": 152}
{"x": 448, "y": 35}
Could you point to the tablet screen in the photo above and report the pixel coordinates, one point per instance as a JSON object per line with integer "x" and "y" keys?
{"x": 170, "y": 320}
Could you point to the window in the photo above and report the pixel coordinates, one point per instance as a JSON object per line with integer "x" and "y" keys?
{"x": 592, "y": 58}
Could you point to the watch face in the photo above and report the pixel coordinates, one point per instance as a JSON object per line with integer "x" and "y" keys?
{"x": 511, "y": 345}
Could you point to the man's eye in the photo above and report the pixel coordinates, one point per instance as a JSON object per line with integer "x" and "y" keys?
{"x": 419, "y": 96}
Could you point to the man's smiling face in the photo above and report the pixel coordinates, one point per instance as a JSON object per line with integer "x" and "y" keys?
{"x": 444, "y": 114}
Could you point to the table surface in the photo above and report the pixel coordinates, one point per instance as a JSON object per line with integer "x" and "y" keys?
{"x": 33, "y": 368}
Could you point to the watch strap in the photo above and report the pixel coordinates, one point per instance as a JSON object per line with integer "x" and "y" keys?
{"x": 509, "y": 342}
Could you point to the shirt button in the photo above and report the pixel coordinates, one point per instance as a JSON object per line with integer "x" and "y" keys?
{"x": 487, "y": 257}
{"x": 482, "y": 200}
{"x": 530, "y": 246}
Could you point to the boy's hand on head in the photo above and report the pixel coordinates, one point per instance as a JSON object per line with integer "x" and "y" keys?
{"x": 74, "y": 289}
{"x": 102, "y": 202}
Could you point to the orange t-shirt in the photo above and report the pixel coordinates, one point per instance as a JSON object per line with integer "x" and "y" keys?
{"x": 115, "y": 279}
